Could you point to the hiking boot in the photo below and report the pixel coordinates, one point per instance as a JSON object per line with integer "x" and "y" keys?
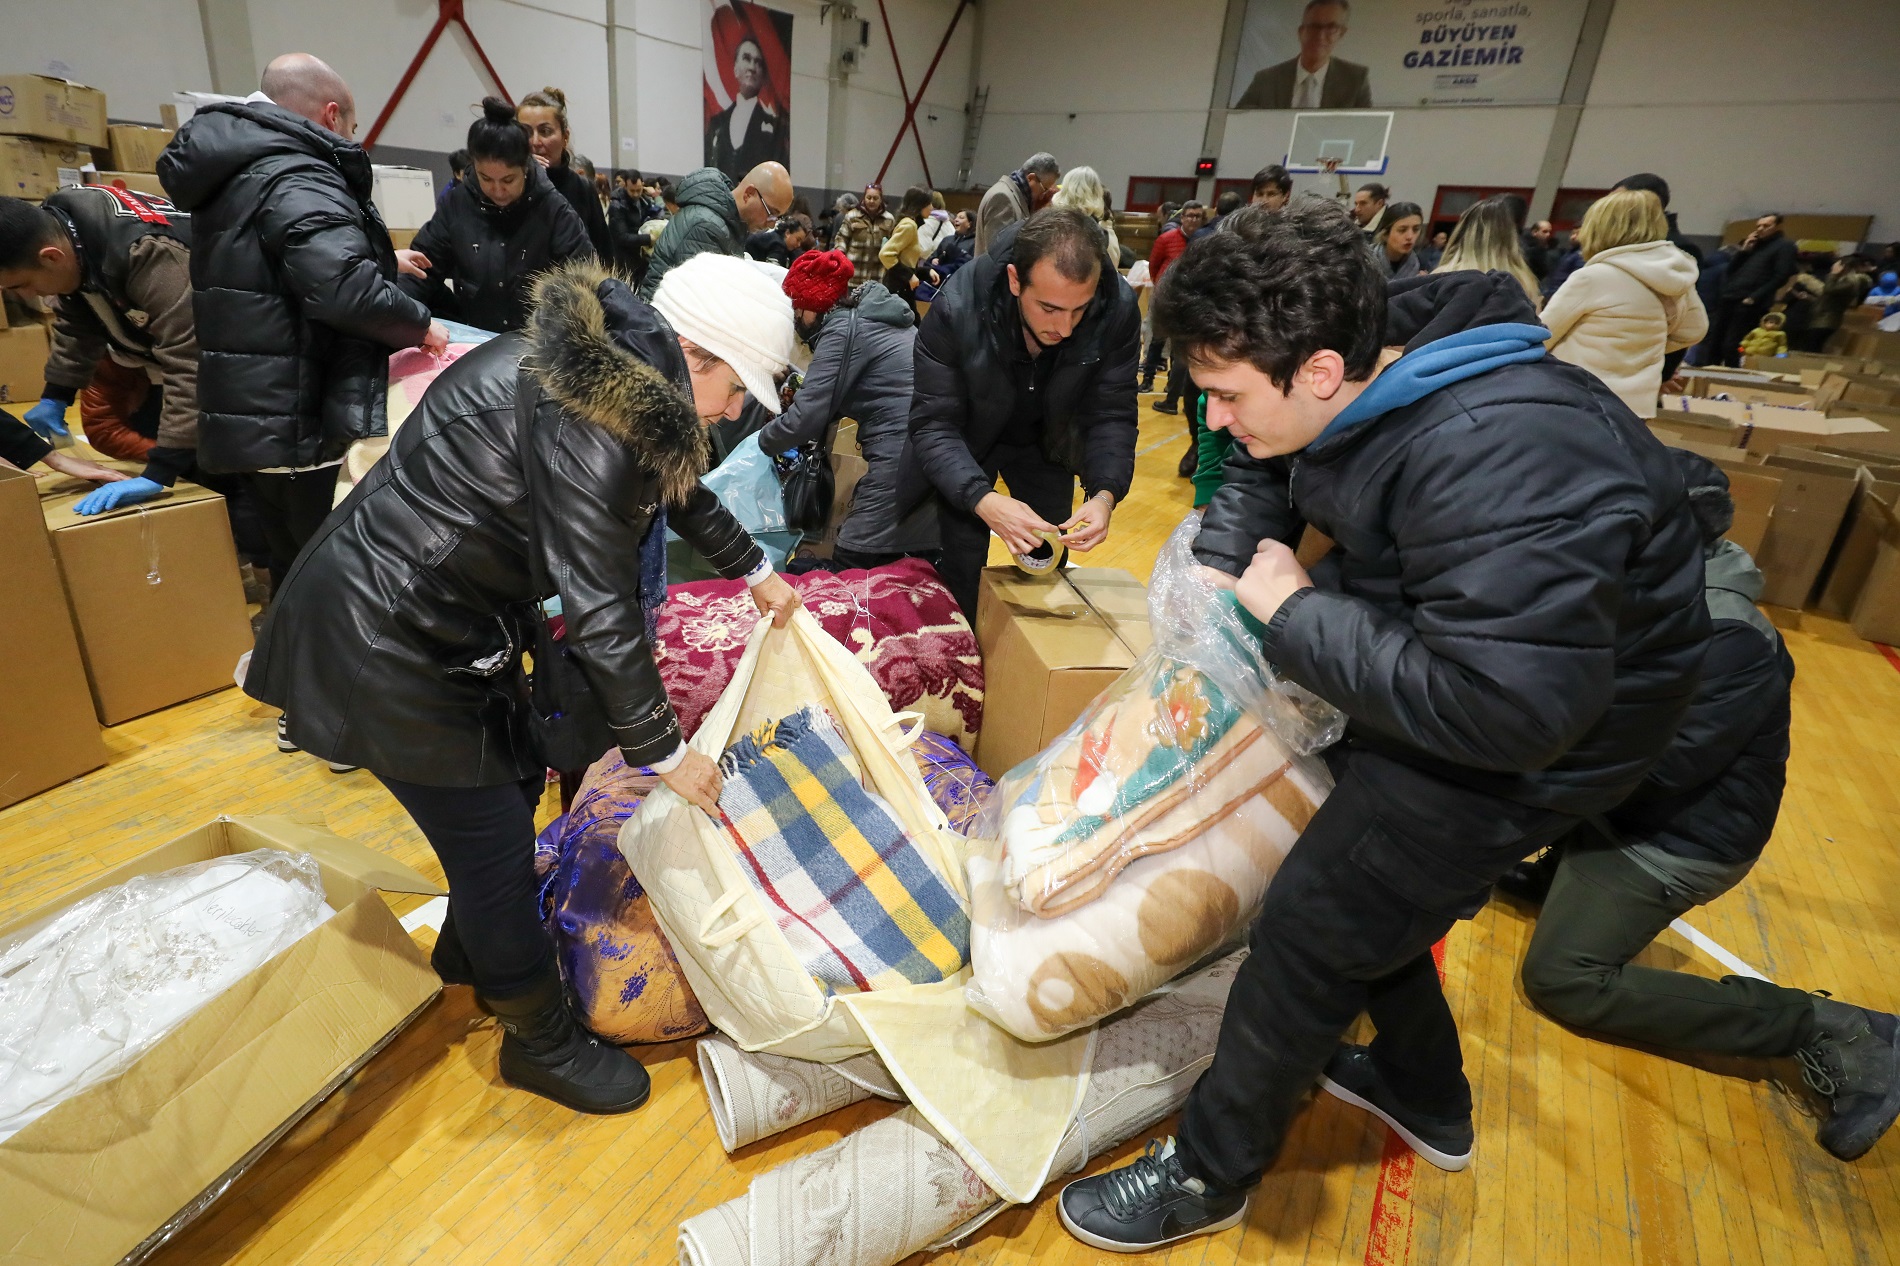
{"x": 283, "y": 736}
{"x": 1853, "y": 1061}
{"x": 1352, "y": 1076}
{"x": 1530, "y": 880}
{"x": 1147, "y": 1203}
{"x": 1164, "y": 406}
{"x": 544, "y": 1051}
{"x": 1190, "y": 461}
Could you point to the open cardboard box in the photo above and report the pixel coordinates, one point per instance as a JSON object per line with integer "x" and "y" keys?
{"x": 1809, "y": 509}
{"x": 1766, "y": 427}
{"x": 1856, "y": 553}
{"x": 1048, "y": 651}
{"x": 1876, "y": 609}
{"x": 113, "y": 1172}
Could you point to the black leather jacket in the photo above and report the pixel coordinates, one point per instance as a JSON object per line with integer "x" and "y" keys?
{"x": 395, "y": 642}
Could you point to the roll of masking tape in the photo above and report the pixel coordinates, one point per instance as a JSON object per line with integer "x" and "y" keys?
{"x": 1044, "y": 558}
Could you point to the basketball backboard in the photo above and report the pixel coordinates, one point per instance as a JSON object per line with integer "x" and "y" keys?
{"x": 1351, "y": 142}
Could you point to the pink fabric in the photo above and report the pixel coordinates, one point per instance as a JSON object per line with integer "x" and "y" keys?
{"x": 899, "y": 621}
{"x": 415, "y": 369}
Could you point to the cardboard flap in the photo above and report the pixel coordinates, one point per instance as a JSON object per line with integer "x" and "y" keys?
{"x": 358, "y": 861}
{"x": 59, "y": 496}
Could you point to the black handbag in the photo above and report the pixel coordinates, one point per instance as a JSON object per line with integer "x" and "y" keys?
{"x": 566, "y": 724}
{"x": 806, "y": 479}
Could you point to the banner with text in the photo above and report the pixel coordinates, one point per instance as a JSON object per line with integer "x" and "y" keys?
{"x": 1326, "y": 55}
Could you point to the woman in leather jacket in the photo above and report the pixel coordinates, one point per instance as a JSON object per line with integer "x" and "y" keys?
{"x": 395, "y": 642}
{"x": 496, "y": 231}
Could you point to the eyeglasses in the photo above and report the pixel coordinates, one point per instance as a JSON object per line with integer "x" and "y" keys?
{"x": 768, "y": 206}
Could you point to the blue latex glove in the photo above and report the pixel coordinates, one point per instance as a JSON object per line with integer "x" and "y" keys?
{"x": 125, "y": 492}
{"x": 48, "y": 418}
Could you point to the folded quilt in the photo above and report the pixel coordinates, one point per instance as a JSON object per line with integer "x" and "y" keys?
{"x": 853, "y": 896}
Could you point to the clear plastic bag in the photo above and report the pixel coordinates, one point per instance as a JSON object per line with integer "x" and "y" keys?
{"x": 1198, "y": 623}
{"x": 747, "y": 484}
{"x": 85, "y": 994}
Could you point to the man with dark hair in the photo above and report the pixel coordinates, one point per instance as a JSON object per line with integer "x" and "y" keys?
{"x": 1166, "y": 249}
{"x": 628, "y": 209}
{"x": 1315, "y": 79}
{"x": 458, "y": 172}
{"x": 1015, "y": 197}
{"x": 1025, "y": 365}
{"x": 117, "y": 265}
{"x": 1368, "y": 206}
{"x": 1511, "y": 620}
{"x": 1757, "y": 268}
{"x": 1224, "y": 206}
{"x": 1272, "y": 186}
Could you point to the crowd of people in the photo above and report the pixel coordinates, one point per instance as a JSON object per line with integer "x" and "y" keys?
{"x": 1540, "y": 639}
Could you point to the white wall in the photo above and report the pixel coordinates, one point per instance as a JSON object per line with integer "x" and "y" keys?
{"x": 140, "y": 62}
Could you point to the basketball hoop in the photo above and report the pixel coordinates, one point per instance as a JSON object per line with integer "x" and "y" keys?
{"x": 1330, "y": 166}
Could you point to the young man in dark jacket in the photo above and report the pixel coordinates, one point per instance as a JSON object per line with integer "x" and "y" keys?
{"x": 1511, "y": 620}
{"x": 294, "y": 292}
{"x": 117, "y": 265}
{"x": 1026, "y": 366}
{"x": 1757, "y": 268}
{"x": 628, "y": 209}
{"x": 1693, "y": 829}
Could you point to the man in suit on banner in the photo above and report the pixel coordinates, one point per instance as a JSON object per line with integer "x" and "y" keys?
{"x": 1315, "y": 80}
{"x": 749, "y": 131}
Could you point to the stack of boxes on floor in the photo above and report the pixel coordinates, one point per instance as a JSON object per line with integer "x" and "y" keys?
{"x": 1811, "y": 445}
{"x": 125, "y": 612}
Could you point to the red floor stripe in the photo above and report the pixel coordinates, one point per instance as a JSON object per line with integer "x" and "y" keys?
{"x": 1389, "y": 1238}
{"x": 1893, "y": 657}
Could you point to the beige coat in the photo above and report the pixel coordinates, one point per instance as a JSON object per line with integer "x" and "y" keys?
{"x": 1622, "y": 312}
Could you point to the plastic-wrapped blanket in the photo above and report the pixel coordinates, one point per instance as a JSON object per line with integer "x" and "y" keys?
{"x": 895, "y": 1187}
{"x": 86, "y": 993}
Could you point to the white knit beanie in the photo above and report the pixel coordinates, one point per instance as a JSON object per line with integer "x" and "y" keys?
{"x": 737, "y": 313}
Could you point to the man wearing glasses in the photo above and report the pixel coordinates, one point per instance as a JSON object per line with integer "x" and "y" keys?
{"x": 1315, "y": 80}
{"x": 714, "y": 216}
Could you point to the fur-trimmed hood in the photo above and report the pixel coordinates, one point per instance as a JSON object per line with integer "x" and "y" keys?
{"x": 607, "y": 356}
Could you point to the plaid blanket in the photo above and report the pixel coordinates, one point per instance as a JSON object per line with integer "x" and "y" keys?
{"x": 858, "y": 903}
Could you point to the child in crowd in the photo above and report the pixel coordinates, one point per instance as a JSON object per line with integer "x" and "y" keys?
{"x": 1766, "y": 339}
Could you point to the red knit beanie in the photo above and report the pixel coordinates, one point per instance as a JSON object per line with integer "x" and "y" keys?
{"x": 817, "y": 280}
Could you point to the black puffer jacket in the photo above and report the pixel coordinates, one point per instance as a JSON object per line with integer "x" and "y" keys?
{"x": 861, "y": 369}
{"x": 964, "y": 395}
{"x": 294, "y": 287}
{"x": 1758, "y": 272}
{"x": 493, "y": 254}
{"x": 581, "y": 195}
{"x": 1514, "y": 601}
{"x": 395, "y": 642}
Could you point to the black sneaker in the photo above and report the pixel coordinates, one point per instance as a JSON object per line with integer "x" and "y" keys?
{"x": 1145, "y": 1204}
{"x": 1530, "y": 880}
{"x": 283, "y": 736}
{"x": 1853, "y": 1062}
{"x": 1352, "y": 1076}
{"x": 1164, "y": 406}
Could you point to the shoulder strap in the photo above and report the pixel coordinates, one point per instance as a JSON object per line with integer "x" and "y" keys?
{"x": 527, "y": 400}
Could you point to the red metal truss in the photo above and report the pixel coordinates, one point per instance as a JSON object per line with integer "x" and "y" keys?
{"x": 911, "y": 102}
{"x": 447, "y": 11}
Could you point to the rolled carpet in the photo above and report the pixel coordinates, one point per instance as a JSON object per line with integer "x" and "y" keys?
{"x": 895, "y": 1187}
{"x": 755, "y": 1095}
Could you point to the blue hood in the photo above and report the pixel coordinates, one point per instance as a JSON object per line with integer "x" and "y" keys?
{"x": 1439, "y": 364}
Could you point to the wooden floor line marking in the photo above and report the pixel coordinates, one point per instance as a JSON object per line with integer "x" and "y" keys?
{"x": 1715, "y": 951}
{"x": 427, "y": 915}
{"x": 1889, "y": 654}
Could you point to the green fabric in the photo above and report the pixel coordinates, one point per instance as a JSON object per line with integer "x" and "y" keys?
{"x": 1211, "y": 448}
{"x": 708, "y": 220}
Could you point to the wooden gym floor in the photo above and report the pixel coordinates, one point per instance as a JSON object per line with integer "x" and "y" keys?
{"x": 1587, "y": 1152}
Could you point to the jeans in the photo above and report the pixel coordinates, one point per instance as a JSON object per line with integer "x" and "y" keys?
{"x": 1045, "y": 487}
{"x": 290, "y": 509}
{"x": 1392, "y": 859}
{"x": 484, "y": 838}
{"x": 1605, "y": 906}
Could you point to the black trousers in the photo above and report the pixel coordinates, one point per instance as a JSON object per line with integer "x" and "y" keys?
{"x": 1603, "y": 908}
{"x": 1392, "y": 859}
{"x": 1729, "y": 324}
{"x": 290, "y": 509}
{"x": 247, "y": 532}
{"x": 1157, "y": 351}
{"x": 1045, "y": 487}
{"x": 1180, "y": 382}
{"x": 484, "y": 838}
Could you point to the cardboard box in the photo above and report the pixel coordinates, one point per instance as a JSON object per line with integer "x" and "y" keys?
{"x": 136, "y": 181}
{"x": 114, "y": 1171}
{"x": 155, "y": 596}
{"x": 405, "y": 196}
{"x": 48, "y": 732}
{"x": 1839, "y": 387}
{"x": 33, "y": 169}
{"x": 23, "y": 351}
{"x": 1858, "y": 549}
{"x": 1701, "y": 428}
{"x": 1046, "y": 654}
{"x": 52, "y": 109}
{"x": 1807, "y": 517}
{"x": 1767, "y": 427}
{"x": 135, "y": 148}
{"x": 1754, "y": 489}
{"x": 174, "y": 113}
{"x": 1120, "y": 599}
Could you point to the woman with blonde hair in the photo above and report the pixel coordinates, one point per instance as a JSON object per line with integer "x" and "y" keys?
{"x": 1633, "y": 301}
{"x": 1081, "y": 190}
{"x": 1485, "y": 240}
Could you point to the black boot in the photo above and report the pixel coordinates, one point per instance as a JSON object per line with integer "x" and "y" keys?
{"x": 1530, "y": 880}
{"x": 543, "y": 1050}
{"x": 1190, "y": 461}
{"x": 1146, "y": 385}
{"x": 1853, "y": 1060}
